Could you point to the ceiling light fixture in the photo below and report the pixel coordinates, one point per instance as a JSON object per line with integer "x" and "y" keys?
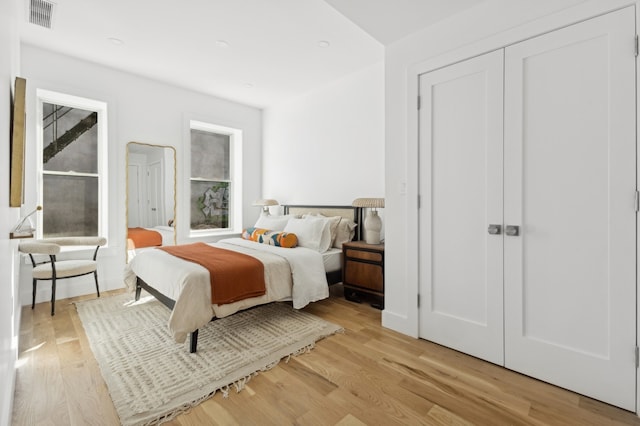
{"x": 324, "y": 44}
{"x": 116, "y": 41}
{"x": 222, "y": 44}
{"x": 248, "y": 85}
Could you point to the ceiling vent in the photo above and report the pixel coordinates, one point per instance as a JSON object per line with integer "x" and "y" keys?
{"x": 41, "y": 13}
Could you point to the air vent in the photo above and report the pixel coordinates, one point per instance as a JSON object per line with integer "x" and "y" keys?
{"x": 41, "y": 13}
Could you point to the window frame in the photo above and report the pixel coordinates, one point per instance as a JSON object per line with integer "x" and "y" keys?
{"x": 47, "y": 96}
{"x": 235, "y": 177}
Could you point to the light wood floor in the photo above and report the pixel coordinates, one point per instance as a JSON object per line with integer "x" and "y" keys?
{"x": 368, "y": 375}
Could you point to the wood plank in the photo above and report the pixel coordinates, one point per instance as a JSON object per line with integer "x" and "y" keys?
{"x": 83, "y": 403}
{"x": 385, "y": 378}
{"x": 440, "y": 416}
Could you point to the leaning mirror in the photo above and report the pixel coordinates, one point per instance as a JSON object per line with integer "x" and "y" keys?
{"x": 151, "y": 196}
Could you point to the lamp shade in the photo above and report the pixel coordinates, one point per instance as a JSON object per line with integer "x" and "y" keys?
{"x": 265, "y": 202}
{"x": 373, "y": 203}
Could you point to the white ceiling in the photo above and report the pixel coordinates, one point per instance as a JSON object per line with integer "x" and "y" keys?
{"x": 390, "y": 20}
{"x": 273, "y": 48}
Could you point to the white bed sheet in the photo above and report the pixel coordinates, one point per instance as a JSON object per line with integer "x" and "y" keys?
{"x": 290, "y": 274}
{"x": 332, "y": 260}
{"x": 167, "y": 233}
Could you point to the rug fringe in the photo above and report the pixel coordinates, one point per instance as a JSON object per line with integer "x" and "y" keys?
{"x": 239, "y": 385}
{"x": 300, "y": 351}
{"x": 185, "y": 408}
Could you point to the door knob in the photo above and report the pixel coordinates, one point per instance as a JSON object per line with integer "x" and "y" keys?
{"x": 512, "y": 230}
{"x": 494, "y": 229}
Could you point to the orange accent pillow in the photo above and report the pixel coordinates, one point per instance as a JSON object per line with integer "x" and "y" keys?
{"x": 272, "y": 238}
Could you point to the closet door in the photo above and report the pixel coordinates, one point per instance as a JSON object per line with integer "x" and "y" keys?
{"x": 461, "y": 192}
{"x": 570, "y": 172}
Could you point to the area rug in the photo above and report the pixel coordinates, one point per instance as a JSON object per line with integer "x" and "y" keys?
{"x": 152, "y": 379}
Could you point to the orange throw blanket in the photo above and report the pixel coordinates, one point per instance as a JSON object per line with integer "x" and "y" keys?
{"x": 140, "y": 237}
{"x": 234, "y": 276}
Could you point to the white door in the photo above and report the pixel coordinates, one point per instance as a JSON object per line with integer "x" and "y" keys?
{"x": 133, "y": 196}
{"x": 155, "y": 187}
{"x": 461, "y": 189}
{"x": 570, "y": 171}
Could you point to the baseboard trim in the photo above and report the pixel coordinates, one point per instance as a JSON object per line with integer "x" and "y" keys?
{"x": 67, "y": 288}
{"x": 400, "y": 323}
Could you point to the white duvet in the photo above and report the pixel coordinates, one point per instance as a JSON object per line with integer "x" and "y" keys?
{"x": 290, "y": 274}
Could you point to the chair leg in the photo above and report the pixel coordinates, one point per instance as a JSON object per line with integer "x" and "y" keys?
{"x": 95, "y": 275}
{"x": 53, "y": 297}
{"x": 33, "y": 300}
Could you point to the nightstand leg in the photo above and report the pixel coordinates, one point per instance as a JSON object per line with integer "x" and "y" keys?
{"x": 379, "y": 304}
{"x": 351, "y": 296}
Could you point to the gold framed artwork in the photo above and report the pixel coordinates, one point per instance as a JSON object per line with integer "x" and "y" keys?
{"x": 16, "y": 179}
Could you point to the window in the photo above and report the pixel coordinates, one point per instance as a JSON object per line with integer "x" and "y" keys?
{"x": 215, "y": 184}
{"x": 72, "y": 180}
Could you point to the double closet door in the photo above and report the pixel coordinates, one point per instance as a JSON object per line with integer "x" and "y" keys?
{"x": 528, "y": 214}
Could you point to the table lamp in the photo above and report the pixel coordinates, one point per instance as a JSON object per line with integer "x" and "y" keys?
{"x": 372, "y": 223}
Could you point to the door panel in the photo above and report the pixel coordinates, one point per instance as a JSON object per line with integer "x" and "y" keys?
{"x": 155, "y": 186}
{"x": 570, "y": 185}
{"x": 461, "y": 185}
{"x": 133, "y": 187}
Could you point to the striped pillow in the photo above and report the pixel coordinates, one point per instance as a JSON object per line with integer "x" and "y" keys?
{"x": 272, "y": 238}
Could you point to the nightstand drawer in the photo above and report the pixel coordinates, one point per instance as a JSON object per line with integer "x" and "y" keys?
{"x": 365, "y": 275}
{"x": 364, "y": 255}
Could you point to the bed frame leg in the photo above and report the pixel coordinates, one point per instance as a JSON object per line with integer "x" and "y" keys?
{"x": 193, "y": 341}
{"x": 138, "y": 289}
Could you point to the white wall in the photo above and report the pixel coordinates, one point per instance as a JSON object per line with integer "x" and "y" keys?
{"x": 327, "y": 146}
{"x": 140, "y": 110}
{"x": 490, "y": 25}
{"x": 9, "y": 301}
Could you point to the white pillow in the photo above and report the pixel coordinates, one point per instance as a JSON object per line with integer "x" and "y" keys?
{"x": 312, "y": 232}
{"x": 345, "y": 232}
{"x": 333, "y": 225}
{"x": 273, "y": 223}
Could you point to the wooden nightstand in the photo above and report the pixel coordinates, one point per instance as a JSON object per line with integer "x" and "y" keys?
{"x": 363, "y": 271}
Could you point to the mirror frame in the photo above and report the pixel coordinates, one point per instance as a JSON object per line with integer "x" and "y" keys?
{"x": 175, "y": 194}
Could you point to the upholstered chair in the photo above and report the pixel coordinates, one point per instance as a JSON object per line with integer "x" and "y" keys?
{"x": 54, "y": 269}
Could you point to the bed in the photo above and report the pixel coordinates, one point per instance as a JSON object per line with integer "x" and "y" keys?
{"x": 300, "y": 275}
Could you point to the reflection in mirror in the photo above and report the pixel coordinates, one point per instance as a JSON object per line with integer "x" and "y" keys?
{"x": 151, "y": 196}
